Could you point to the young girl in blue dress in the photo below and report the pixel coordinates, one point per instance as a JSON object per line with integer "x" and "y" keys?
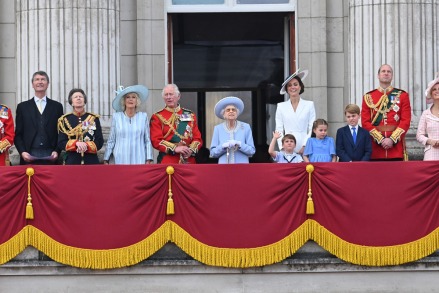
{"x": 320, "y": 147}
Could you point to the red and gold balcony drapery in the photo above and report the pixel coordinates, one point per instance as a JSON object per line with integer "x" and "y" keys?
{"x": 380, "y": 213}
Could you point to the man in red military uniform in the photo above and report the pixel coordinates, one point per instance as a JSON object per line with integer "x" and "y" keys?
{"x": 6, "y": 134}
{"x": 386, "y": 114}
{"x": 174, "y": 131}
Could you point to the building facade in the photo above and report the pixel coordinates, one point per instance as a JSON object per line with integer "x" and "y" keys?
{"x": 215, "y": 48}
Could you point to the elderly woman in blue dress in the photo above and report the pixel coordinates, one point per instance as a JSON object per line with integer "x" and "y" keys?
{"x": 129, "y": 139}
{"x": 232, "y": 140}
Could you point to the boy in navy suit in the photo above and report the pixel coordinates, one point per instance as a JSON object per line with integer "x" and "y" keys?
{"x": 352, "y": 141}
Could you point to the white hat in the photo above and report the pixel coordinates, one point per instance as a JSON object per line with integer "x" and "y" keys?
{"x": 431, "y": 84}
{"x": 223, "y": 103}
{"x": 301, "y": 74}
{"x": 140, "y": 90}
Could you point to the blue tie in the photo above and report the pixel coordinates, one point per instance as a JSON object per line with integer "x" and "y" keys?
{"x": 354, "y": 134}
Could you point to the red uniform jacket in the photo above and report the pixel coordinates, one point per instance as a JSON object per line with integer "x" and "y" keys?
{"x": 171, "y": 128}
{"x": 7, "y": 133}
{"x": 386, "y": 113}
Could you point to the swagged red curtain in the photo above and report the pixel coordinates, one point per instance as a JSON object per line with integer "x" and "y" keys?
{"x": 100, "y": 217}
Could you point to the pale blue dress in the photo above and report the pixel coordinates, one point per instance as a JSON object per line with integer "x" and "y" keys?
{"x": 222, "y": 134}
{"x": 319, "y": 150}
{"x": 129, "y": 140}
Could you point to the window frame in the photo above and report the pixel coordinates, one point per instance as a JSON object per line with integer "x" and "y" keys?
{"x": 230, "y": 6}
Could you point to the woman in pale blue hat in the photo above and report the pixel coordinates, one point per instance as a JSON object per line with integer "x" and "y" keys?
{"x": 232, "y": 141}
{"x": 129, "y": 140}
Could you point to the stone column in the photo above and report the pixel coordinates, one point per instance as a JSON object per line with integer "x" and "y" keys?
{"x": 76, "y": 43}
{"x": 403, "y": 34}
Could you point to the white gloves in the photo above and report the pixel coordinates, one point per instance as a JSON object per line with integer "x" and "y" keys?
{"x": 231, "y": 144}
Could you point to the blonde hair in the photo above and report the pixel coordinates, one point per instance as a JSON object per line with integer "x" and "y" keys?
{"x": 122, "y": 101}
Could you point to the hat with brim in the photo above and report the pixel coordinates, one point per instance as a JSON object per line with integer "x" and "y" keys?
{"x": 299, "y": 73}
{"x": 223, "y": 103}
{"x": 429, "y": 88}
{"x": 140, "y": 90}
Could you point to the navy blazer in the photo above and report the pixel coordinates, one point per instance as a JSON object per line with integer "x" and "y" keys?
{"x": 26, "y": 121}
{"x": 348, "y": 151}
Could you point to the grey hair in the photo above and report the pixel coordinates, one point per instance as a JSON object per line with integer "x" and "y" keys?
{"x": 223, "y": 110}
{"x": 176, "y": 90}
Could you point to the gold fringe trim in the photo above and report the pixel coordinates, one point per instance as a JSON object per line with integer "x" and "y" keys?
{"x": 217, "y": 256}
{"x": 99, "y": 259}
{"x": 374, "y": 255}
{"x": 14, "y": 246}
{"x": 240, "y": 257}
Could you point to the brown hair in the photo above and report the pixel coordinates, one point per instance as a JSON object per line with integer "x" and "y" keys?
{"x": 288, "y": 136}
{"x": 316, "y": 123}
{"x": 352, "y": 109}
{"x": 77, "y": 91}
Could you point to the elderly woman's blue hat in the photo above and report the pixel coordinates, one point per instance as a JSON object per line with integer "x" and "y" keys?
{"x": 223, "y": 103}
{"x": 299, "y": 73}
{"x": 140, "y": 90}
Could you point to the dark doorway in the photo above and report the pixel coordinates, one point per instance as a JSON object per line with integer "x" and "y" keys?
{"x": 230, "y": 52}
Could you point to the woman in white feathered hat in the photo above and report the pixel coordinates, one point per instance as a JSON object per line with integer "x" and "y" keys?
{"x": 232, "y": 140}
{"x": 129, "y": 139}
{"x": 296, "y": 115}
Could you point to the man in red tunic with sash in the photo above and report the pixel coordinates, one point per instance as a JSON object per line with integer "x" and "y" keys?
{"x": 174, "y": 131}
{"x": 6, "y": 134}
{"x": 386, "y": 114}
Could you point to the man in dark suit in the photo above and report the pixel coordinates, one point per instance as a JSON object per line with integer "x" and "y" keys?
{"x": 36, "y": 133}
{"x": 352, "y": 141}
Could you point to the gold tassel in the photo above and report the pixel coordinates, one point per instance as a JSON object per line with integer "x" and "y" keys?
{"x": 29, "y": 211}
{"x": 309, "y": 203}
{"x": 170, "y": 206}
{"x": 29, "y": 208}
{"x": 309, "y": 206}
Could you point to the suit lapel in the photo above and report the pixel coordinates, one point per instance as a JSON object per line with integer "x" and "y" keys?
{"x": 33, "y": 110}
{"x": 47, "y": 111}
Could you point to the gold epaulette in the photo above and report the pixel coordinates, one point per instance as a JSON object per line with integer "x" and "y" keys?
{"x": 377, "y": 136}
{"x": 396, "y": 134}
{"x": 63, "y": 116}
{"x": 96, "y": 115}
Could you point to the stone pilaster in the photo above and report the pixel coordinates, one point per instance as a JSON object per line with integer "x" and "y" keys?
{"x": 403, "y": 34}
{"x": 76, "y": 43}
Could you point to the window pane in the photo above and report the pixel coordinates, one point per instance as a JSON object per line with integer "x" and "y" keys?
{"x": 236, "y": 50}
{"x": 189, "y": 2}
{"x": 262, "y": 1}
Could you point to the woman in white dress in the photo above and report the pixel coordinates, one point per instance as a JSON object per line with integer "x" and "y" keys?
{"x": 296, "y": 115}
{"x": 129, "y": 139}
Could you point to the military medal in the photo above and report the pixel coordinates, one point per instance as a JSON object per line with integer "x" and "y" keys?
{"x": 396, "y": 117}
{"x": 395, "y": 107}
